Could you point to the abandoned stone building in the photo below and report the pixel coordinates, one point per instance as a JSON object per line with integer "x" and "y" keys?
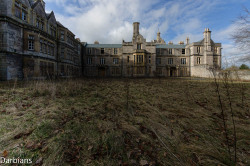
{"x": 140, "y": 58}
{"x": 33, "y": 44}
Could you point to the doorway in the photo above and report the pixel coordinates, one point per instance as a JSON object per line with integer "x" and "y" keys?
{"x": 101, "y": 71}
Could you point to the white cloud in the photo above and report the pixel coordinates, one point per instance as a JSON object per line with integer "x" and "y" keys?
{"x": 110, "y": 21}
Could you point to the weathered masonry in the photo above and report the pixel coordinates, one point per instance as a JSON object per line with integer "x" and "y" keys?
{"x": 139, "y": 58}
{"x": 33, "y": 44}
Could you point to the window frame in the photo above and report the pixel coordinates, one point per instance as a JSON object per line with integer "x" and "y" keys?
{"x": 102, "y": 61}
{"x": 183, "y": 61}
{"x": 170, "y": 61}
{"x": 183, "y": 51}
{"x": 170, "y": 51}
{"x": 31, "y": 45}
{"x": 198, "y": 60}
{"x": 139, "y": 46}
{"x": 102, "y": 50}
{"x": 115, "y": 51}
{"x": 115, "y": 61}
{"x": 89, "y": 61}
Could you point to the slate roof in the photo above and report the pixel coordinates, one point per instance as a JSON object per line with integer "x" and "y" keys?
{"x": 170, "y": 46}
{"x": 104, "y": 45}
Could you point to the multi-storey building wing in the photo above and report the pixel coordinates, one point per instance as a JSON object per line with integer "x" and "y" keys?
{"x": 34, "y": 45}
{"x": 30, "y": 43}
{"x": 69, "y": 53}
{"x": 140, "y": 58}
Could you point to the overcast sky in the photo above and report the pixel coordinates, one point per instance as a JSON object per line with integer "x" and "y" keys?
{"x": 110, "y": 21}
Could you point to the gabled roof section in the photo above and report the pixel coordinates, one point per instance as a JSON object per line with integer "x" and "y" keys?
{"x": 38, "y": 7}
{"x": 51, "y": 17}
{"x": 26, "y": 3}
{"x": 170, "y": 46}
{"x": 34, "y": 4}
{"x": 104, "y": 45}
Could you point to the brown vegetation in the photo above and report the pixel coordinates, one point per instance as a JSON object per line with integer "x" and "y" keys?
{"x": 126, "y": 122}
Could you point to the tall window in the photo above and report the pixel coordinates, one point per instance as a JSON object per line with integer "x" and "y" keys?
{"x": 52, "y": 49}
{"x": 89, "y": 61}
{"x": 24, "y": 13}
{"x": 158, "y": 61}
{"x": 62, "y": 35}
{"x": 37, "y": 22}
{"x": 31, "y": 42}
{"x": 183, "y": 51}
{"x": 42, "y": 24}
{"x": 116, "y": 61}
{"x": 139, "y": 58}
{"x": 41, "y": 45}
{"x": 49, "y": 49}
{"x": 138, "y": 46}
{"x": 149, "y": 59}
{"x": 128, "y": 59}
{"x": 170, "y": 61}
{"x": 62, "y": 52}
{"x": 115, "y": 50}
{"x": 18, "y": 10}
{"x": 170, "y": 51}
{"x": 198, "y": 49}
{"x": 89, "y": 51}
{"x": 52, "y": 30}
{"x": 102, "y": 50}
{"x": 183, "y": 61}
{"x": 45, "y": 48}
{"x": 198, "y": 60}
{"x": 102, "y": 61}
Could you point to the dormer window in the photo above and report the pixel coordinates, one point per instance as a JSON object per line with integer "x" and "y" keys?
{"x": 102, "y": 50}
{"x": 170, "y": 51}
{"x": 138, "y": 46}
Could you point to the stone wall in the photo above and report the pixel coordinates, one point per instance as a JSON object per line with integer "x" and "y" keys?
{"x": 240, "y": 74}
{"x": 201, "y": 71}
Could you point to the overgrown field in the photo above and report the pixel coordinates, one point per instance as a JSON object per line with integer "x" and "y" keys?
{"x": 125, "y": 122}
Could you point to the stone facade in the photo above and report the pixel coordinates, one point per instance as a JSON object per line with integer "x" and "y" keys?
{"x": 30, "y": 43}
{"x": 140, "y": 58}
{"x": 33, "y": 45}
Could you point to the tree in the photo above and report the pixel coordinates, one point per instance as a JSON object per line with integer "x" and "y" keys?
{"x": 243, "y": 66}
{"x": 241, "y": 36}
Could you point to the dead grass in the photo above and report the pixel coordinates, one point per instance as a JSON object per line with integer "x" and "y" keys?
{"x": 88, "y": 122}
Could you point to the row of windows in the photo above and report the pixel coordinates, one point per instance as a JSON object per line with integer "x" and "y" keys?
{"x": 139, "y": 59}
{"x": 170, "y": 61}
{"x": 46, "y": 68}
{"x": 170, "y": 51}
{"x": 21, "y": 12}
{"x": 47, "y": 47}
{"x": 215, "y": 49}
{"x": 68, "y": 70}
{"x": 102, "y": 61}
{"x": 70, "y": 55}
{"x": 40, "y": 23}
{"x": 102, "y": 51}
